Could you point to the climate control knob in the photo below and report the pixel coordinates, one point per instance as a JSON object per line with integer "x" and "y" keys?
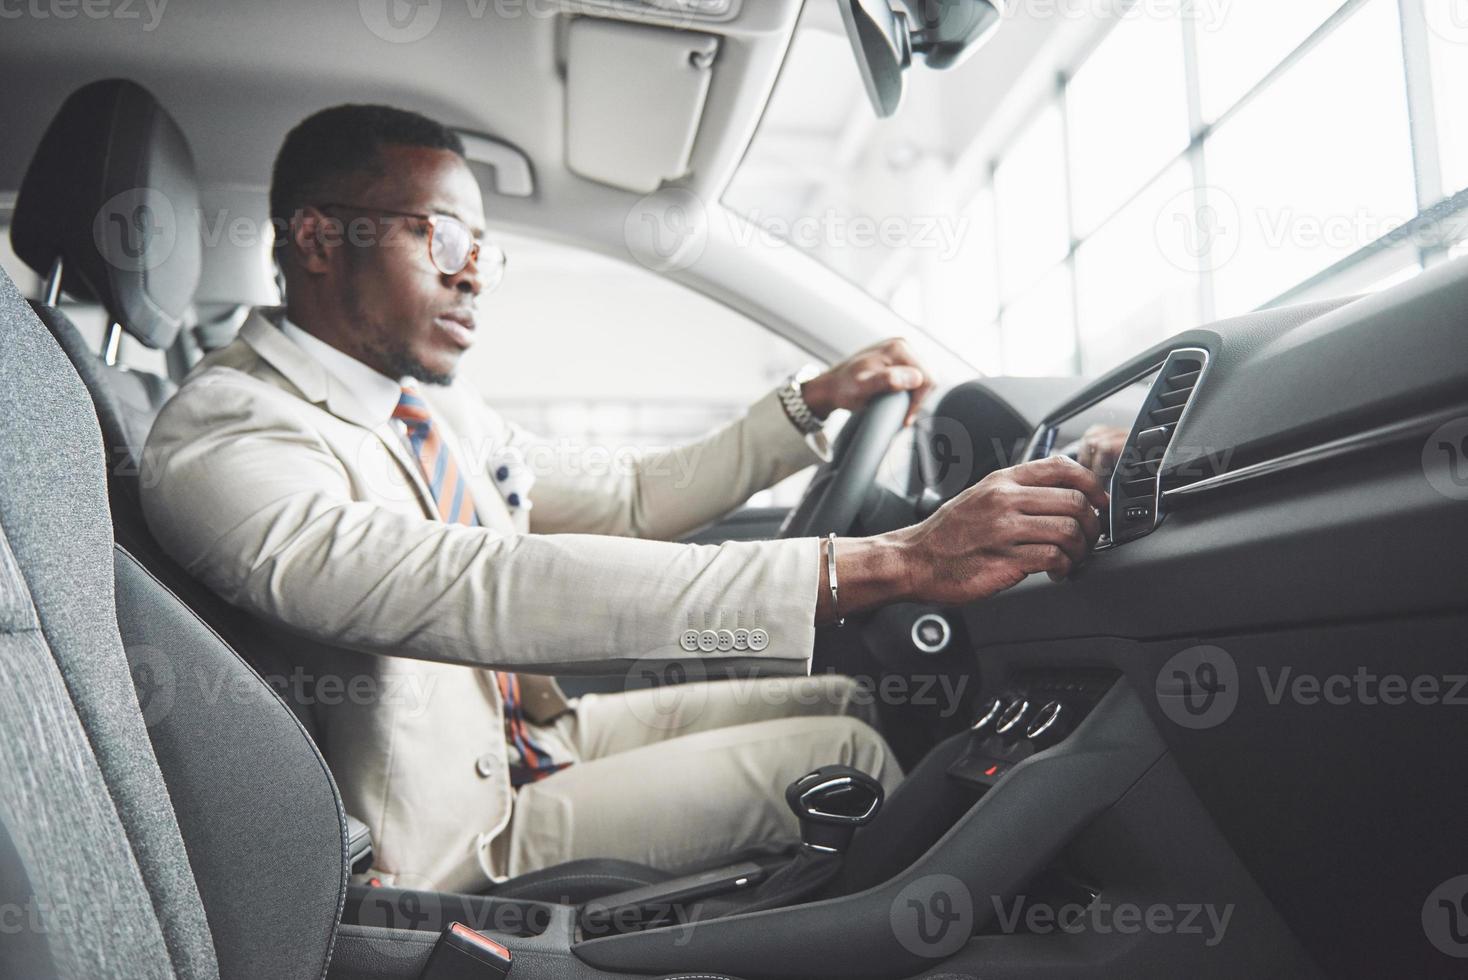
{"x": 987, "y": 717}
{"x": 1050, "y": 724}
{"x": 1012, "y": 717}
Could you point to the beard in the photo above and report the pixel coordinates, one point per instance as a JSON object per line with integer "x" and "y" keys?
{"x": 385, "y": 345}
{"x": 400, "y": 362}
{"x": 386, "y": 348}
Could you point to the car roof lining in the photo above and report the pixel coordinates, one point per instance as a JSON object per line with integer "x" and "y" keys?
{"x": 238, "y": 76}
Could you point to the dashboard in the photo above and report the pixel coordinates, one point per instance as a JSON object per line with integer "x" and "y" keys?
{"x": 1241, "y": 401}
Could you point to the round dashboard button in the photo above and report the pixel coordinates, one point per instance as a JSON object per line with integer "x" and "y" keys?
{"x": 986, "y": 719}
{"x": 1013, "y": 715}
{"x": 931, "y": 634}
{"x": 1047, "y": 719}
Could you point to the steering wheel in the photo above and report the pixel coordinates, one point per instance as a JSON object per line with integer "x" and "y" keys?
{"x": 836, "y": 492}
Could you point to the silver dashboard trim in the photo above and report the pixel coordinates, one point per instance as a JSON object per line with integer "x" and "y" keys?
{"x": 1382, "y": 435}
{"x": 1197, "y": 353}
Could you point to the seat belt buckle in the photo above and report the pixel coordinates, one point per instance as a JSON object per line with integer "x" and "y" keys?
{"x": 463, "y": 954}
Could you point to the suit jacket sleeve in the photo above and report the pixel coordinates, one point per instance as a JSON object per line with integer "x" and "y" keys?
{"x": 246, "y": 495}
{"x": 668, "y": 493}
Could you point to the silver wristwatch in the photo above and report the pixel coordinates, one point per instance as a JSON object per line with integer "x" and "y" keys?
{"x": 793, "y": 401}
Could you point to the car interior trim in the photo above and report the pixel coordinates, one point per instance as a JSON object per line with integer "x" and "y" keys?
{"x": 1374, "y": 438}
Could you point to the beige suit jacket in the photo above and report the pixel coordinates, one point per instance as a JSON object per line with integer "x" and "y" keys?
{"x": 266, "y": 480}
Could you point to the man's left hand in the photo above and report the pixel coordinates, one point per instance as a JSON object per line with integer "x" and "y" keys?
{"x": 882, "y": 368}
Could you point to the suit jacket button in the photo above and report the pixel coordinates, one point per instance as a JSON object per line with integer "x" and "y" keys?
{"x": 485, "y": 766}
{"x": 689, "y": 640}
{"x": 758, "y": 640}
{"x": 708, "y": 641}
{"x": 741, "y": 639}
{"x": 726, "y": 640}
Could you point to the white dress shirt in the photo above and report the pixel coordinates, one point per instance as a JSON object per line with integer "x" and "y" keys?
{"x": 376, "y": 392}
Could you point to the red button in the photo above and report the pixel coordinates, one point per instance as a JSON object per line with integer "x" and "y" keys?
{"x": 482, "y": 941}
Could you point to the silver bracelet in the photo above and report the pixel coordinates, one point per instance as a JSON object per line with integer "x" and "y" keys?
{"x": 831, "y": 577}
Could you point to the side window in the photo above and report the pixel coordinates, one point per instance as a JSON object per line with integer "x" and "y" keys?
{"x": 604, "y": 354}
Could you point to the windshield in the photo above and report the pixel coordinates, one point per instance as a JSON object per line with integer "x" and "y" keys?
{"x": 1088, "y": 185}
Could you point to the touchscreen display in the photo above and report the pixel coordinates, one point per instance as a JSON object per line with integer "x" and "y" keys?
{"x": 1094, "y": 436}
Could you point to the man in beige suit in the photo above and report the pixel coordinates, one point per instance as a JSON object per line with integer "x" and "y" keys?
{"x": 323, "y": 472}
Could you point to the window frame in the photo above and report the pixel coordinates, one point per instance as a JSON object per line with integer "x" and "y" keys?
{"x": 1436, "y": 208}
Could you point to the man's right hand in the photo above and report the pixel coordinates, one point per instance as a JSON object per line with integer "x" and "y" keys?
{"x": 1035, "y": 517}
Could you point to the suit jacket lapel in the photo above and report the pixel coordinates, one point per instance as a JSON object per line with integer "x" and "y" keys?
{"x": 318, "y": 386}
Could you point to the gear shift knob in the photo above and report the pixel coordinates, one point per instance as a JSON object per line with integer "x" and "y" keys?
{"x": 831, "y": 803}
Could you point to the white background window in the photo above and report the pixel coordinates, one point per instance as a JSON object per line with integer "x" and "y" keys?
{"x": 1308, "y": 180}
{"x": 1038, "y": 329}
{"x": 1447, "y": 23}
{"x": 1128, "y": 113}
{"x": 1241, "y": 41}
{"x": 1134, "y": 173}
{"x": 580, "y": 347}
{"x": 1029, "y": 188}
{"x": 1136, "y": 278}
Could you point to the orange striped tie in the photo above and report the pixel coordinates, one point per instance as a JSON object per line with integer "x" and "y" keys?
{"x": 450, "y": 492}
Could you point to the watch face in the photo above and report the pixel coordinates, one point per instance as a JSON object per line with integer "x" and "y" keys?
{"x": 807, "y": 373}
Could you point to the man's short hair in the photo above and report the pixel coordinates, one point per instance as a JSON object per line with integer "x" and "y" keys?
{"x": 342, "y": 140}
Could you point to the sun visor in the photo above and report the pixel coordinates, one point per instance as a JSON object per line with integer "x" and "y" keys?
{"x": 634, "y": 99}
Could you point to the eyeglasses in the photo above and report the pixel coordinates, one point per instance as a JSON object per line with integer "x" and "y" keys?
{"x": 451, "y": 245}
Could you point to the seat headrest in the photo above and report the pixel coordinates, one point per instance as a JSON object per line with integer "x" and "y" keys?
{"x": 112, "y": 191}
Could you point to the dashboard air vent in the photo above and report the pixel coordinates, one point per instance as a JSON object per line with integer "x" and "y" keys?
{"x": 1134, "y": 486}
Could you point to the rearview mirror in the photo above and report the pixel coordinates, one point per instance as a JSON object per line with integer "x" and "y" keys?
{"x": 886, "y": 35}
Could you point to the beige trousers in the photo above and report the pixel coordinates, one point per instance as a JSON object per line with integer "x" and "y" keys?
{"x": 681, "y": 778}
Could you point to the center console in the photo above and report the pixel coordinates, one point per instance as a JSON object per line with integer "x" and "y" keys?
{"x": 1039, "y": 805}
{"x": 1034, "y": 710}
